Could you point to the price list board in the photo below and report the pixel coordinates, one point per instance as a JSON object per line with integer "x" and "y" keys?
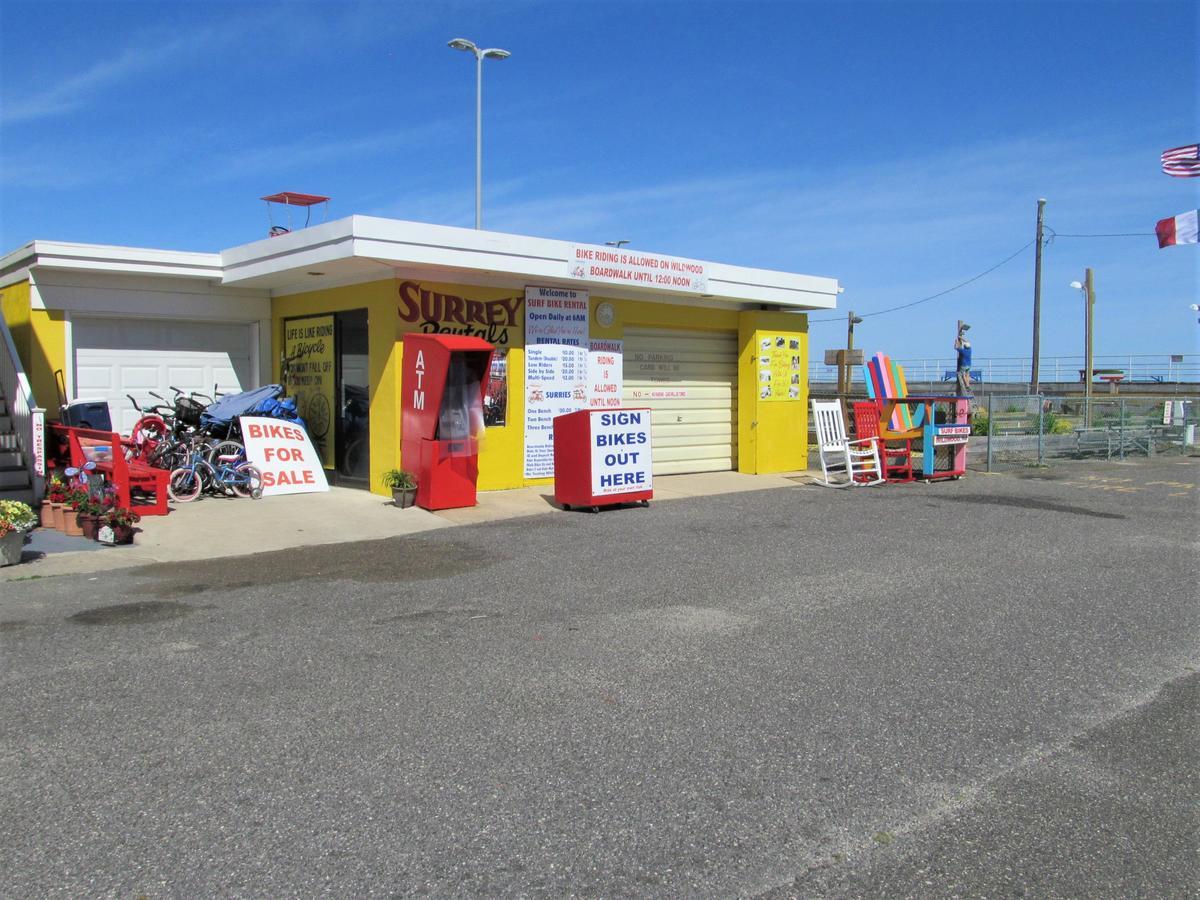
{"x": 556, "y": 369}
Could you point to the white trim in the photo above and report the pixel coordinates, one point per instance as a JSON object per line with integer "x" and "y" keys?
{"x": 279, "y": 263}
{"x": 255, "y": 356}
{"x": 16, "y": 276}
{"x": 358, "y": 249}
{"x": 68, "y": 358}
{"x": 35, "y": 294}
{"x": 106, "y": 258}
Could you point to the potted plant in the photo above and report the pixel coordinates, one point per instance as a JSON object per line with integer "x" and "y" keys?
{"x": 90, "y": 509}
{"x": 116, "y": 525}
{"x": 403, "y": 486}
{"x": 56, "y": 494}
{"x": 76, "y": 497}
{"x": 16, "y": 519}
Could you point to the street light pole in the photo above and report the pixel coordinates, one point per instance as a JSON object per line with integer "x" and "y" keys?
{"x": 1089, "y": 301}
{"x": 480, "y": 55}
{"x": 478, "y": 141}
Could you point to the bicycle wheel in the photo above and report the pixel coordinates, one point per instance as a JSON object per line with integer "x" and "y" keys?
{"x": 225, "y": 448}
{"x": 184, "y": 485}
{"x": 246, "y": 481}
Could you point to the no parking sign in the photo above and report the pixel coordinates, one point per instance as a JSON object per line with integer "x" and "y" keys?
{"x": 284, "y": 455}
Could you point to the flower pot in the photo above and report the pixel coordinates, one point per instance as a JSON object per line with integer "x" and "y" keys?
{"x": 10, "y": 548}
{"x": 115, "y": 534}
{"x": 58, "y": 513}
{"x": 71, "y": 524}
{"x": 88, "y": 524}
{"x": 404, "y": 497}
{"x": 47, "y": 514}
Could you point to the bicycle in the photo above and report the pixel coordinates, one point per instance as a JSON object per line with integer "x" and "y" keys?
{"x": 228, "y": 474}
{"x": 156, "y": 421}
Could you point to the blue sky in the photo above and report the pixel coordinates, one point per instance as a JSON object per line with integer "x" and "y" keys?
{"x": 899, "y": 147}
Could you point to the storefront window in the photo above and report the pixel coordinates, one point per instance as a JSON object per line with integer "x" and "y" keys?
{"x": 495, "y": 397}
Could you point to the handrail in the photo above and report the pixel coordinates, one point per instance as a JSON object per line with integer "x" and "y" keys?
{"x": 28, "y": 419}
{"x": 1144, "y": 367}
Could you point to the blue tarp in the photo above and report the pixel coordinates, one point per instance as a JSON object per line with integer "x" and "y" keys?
{"x": 229, "y": 408}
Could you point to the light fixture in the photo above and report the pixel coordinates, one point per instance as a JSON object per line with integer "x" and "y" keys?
{"x": 1078, "y": 285}
{"x": 616, "y": 244}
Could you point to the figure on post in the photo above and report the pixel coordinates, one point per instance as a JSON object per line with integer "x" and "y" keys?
{"x": 963, "y": 370}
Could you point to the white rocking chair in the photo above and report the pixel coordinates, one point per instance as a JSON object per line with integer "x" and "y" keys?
{"x": 844, "y": 463}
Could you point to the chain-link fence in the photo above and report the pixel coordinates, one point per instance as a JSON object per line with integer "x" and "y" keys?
{"x": 1037, "y": 429}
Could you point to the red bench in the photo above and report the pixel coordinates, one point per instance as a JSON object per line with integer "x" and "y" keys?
{"x": 107, "y": 451}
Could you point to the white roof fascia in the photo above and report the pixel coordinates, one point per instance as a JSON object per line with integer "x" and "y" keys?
{"x": 293, "y": 251}
{"x": 417, "y": 244}
{"x": 102, "y": 258}
{"x": 14, "y": 276}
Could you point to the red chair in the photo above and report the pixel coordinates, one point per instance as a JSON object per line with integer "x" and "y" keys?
{"x": 85, "y": 445}
{"x": 895, "y": 455}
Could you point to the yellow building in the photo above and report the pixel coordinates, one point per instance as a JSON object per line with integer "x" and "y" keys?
{"x": 719, "y": 353}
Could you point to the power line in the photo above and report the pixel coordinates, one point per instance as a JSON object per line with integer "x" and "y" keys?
{"x": 949, "y": 290}
{"x": 1126, "y": 234}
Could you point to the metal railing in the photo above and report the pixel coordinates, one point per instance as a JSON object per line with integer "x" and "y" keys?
{"x": 28, "y": 419}
{"x": 1146, "y": 368}
{"x": 1038, "y": 429}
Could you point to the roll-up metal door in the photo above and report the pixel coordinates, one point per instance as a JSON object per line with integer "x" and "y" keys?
{"x": 689, "y": 381}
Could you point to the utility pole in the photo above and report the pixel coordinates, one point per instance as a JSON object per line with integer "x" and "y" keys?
{"x": 1089, "y": 292}
{"x": 1037, "y": 298}
{"x": 845, "y": 373}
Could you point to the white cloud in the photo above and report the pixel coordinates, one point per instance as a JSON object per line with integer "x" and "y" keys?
{"x": 74, "y": 91}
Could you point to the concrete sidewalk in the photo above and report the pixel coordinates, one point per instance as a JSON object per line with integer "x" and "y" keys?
{"x": 214, "y": 528}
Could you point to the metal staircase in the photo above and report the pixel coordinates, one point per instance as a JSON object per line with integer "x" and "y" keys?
{"x": 22, "y": 429}
{"x": 16, "y": 483}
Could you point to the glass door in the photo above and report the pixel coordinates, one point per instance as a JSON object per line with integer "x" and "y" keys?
{"x": 352, "y": 424}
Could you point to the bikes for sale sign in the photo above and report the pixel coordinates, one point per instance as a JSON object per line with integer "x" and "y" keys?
{"x": 285, "y": 456}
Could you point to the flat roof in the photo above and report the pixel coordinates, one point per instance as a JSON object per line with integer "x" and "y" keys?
{"x": 15, "y": 266}
{"x": 358, "y": 249}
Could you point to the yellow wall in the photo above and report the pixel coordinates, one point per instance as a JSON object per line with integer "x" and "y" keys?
{"x": 775, "y": 442}
{"x": 40, "y": 339}
{"x": 772, "y": 434}
{"x": 14, "y": 305}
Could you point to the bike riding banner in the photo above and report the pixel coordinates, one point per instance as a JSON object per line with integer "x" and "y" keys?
{"x": 284, "y": 454}
{"x": 308, "y": 352}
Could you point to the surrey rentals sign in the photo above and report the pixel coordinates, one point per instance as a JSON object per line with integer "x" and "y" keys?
{"x": 637, "y": 269}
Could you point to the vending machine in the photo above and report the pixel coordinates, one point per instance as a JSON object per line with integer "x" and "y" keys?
{"x": 441, "y": 422}
{"x": 602, "y": 458}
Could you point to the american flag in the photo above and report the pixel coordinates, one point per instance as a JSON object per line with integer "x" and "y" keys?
{"x": 1182, "y": 162}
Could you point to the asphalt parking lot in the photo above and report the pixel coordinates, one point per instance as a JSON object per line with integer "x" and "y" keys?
{"x": 979, "y": 688}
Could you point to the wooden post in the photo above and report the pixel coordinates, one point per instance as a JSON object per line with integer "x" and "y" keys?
{"x": 1090, "y": 299}
{"x": 1037, "y": 299}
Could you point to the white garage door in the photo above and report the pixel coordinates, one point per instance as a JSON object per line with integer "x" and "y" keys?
{"x": 115, "y": 357}
{"x": 689, "y": 381}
